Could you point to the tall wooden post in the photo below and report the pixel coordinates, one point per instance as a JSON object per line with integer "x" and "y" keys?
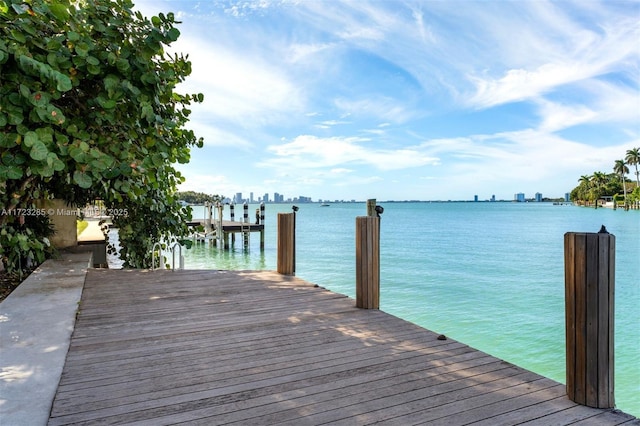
{"x": 232, "y": 214}
{"x": 263, "y": 225}
{"x": 371, "y": 207}
{"x": 589, "y": 315}
{"x": 368, "y": 262}
{"x": 286, "y": 243}
{"x": 223, "y": 241}
{"x": 245, "y": 221}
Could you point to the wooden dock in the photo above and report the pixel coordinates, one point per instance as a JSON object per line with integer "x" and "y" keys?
{"x": 260, "y": 348}
{"x": 221, "y": 230}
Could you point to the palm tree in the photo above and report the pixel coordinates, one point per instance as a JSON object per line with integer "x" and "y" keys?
{"x": 584, "y": 184}
{"x": 598, "y": 181}
{"x": 633, "y": 158}
{"x": 621, "y": 169}
{"x": 586, "y": 179}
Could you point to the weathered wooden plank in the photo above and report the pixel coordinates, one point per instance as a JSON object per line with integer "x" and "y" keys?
{"x": 568, "y": 416}
{"x": 591, "y": 372}
{"x": 608, "y": 417}
{"x": 605, "y": 319}
{"x": 517, "y": 409}
{"x": 570, "y": 311}
{"x": 236, "y": 404}
{"x": 173, "y": 374}
{"x": 336, "y": 389}
{"x": 579, "y": 364}
{"x": 260, "y": 348}
{"x": 531, "y": 412}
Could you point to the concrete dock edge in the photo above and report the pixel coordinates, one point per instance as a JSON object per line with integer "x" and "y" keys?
{"x": 36, "y": 323}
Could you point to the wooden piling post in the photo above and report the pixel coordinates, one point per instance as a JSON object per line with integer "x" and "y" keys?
{"x": 286, "y": 244}
{"x": 219, "y": 235}
{"x": 245, "y": 221}
{"x": 263, "y": 225}
{"x": 232, "y": 214}
{"x": 371, "y": 207}
{"x": 589, "y": 316}
{"x": 368, "y": 262}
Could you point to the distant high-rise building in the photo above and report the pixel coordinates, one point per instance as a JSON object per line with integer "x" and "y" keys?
{"x": 538, "y": 197}
{"x": 567, "y": 197}
{"x": 251, "y": 197}
{"x": 475, "y": 198}
{"x": 519, "y": 197}
{"x": 238, "y": 199}
{"x": 493, "y": 197}
{"x": 265, "y": 198}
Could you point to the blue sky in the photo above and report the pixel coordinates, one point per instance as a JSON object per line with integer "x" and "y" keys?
{"x": 399, "y": 100}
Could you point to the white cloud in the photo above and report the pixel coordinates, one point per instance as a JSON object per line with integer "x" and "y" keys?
{"x": 605, "y": 103}
{"x": 525, "y": 160}
{"x": 380, "y": 107}
{"x": 302, "y": 52}
{"x": 428, "y": 69}
{"x": 239, "y": 86}
{"x": 583, "y": 54}
{"x": 311, "y": 152}
{"x": 557, "y": 116}
{"x": 207, "y": 183}
{"x": 327, "y": 124}
{"x": 215, "y": 136}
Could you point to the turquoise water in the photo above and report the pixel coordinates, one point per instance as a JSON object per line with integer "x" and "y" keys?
{"x": 490, "y": 275}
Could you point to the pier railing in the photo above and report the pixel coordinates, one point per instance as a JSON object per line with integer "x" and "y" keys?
{"x": 157, "y": 253}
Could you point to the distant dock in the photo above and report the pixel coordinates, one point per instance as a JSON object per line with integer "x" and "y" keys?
{"x": 215, "y": 228}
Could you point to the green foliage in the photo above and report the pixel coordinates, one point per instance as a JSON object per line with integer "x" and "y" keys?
{"x": 24, "y": 245}
{"x": 634, "y": 197}
{"x": 591, "y": 188}
{"x": 198, "y": 198}
{"x": 88, "y": 111}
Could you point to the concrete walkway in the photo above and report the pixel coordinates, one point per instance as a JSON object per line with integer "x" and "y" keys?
{"x": 36, "y": 322}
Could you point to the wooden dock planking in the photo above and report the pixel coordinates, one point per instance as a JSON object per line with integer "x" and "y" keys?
{"x": 246, "y": 347}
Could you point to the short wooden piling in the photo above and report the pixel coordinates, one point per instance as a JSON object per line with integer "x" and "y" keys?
{"x": 589, "y": 316}
{"x": 262, "y": 223}
{"x": 286, "y": 243}
{"x": 368, "y": 262}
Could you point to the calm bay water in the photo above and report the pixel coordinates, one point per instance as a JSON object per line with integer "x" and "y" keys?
{"x": 490, "y": 275}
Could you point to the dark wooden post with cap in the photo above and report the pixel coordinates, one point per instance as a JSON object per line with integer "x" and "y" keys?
{"x": 589, "y": 313}
{"x": 286, "y": 264}
{"x": 368, "y": 257}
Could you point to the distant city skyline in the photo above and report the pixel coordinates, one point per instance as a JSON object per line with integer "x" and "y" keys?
{"x": 239, "y": 198}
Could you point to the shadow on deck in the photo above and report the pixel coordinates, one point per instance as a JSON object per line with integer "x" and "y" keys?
{"x": 259, "y": 348}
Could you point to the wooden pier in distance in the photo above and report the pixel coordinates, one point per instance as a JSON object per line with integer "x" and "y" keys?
{"x": 217, "y": 229}
{"x": 253, "y": 347}
{"x": 227, "y": 228}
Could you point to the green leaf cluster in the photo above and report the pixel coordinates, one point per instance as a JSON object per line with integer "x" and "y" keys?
{"x": 89, "y": 110}
{"x": 26, "y": 244}
{"x": 198, "y": 198}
